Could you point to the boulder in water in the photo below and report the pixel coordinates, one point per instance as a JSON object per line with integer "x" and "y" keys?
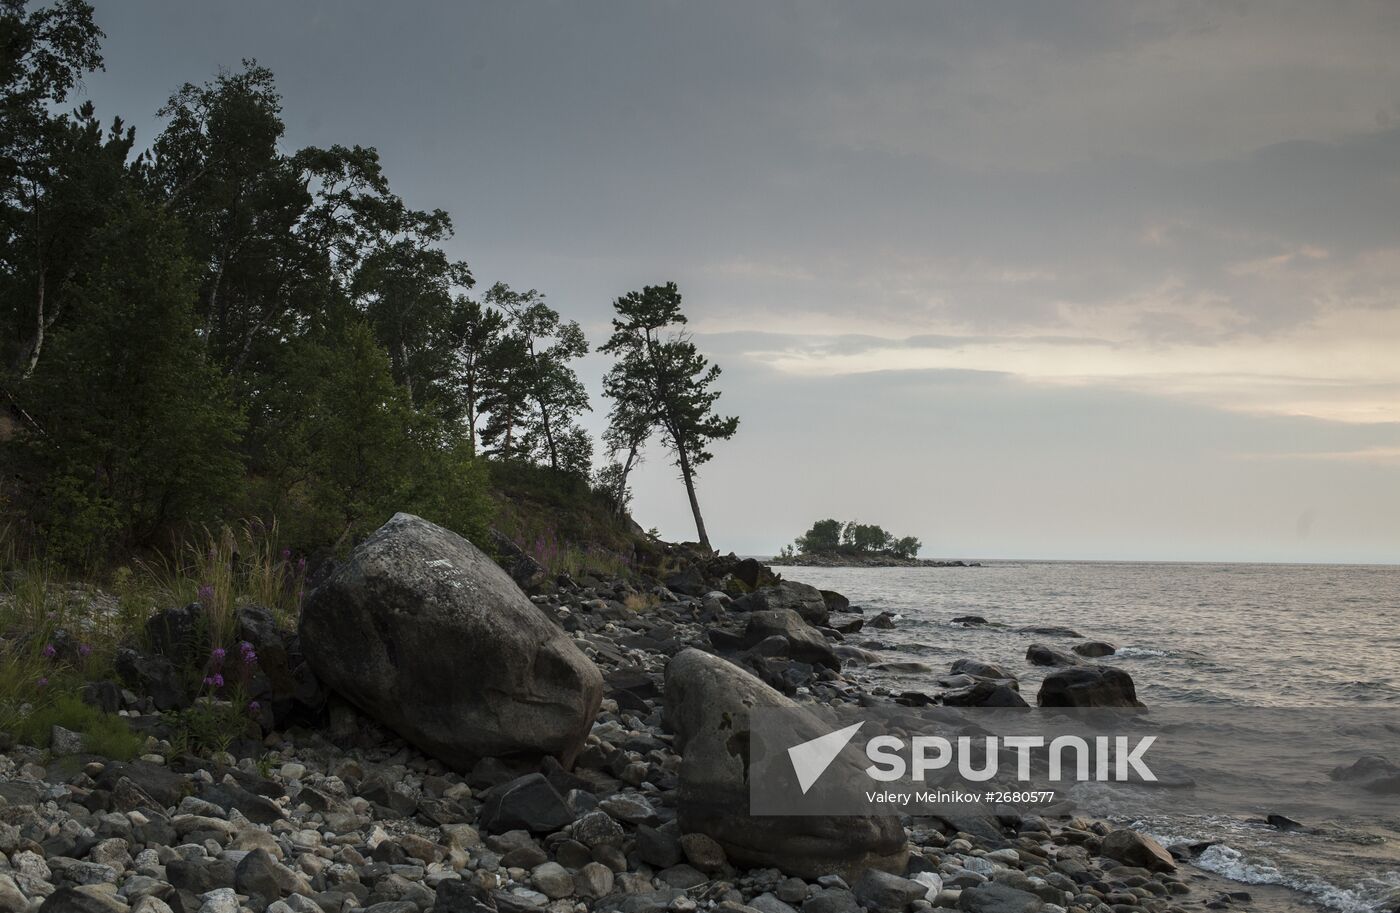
{"x": 1042, "y": 655}
{"x": 425, "y": 633}
{"x": 1088, "y": 686}
{"x": 1094, "y": 649}
{"x": 1138, "y": 850}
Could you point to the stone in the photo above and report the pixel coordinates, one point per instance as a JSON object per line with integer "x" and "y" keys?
{"x": 985, "y": 694}
{"x": 658, "y": 848}
{"x": 1042, "y": 655}
{"x": 978, "y": 669}
{"x": 1136, "y": 849}
{"x": 1094, "y": 649}
{"x": 707, "y": 705}
{"x": 703, "y": 852}
{"x": 66, "y": 742}
{"x": 76, "y": 900}
{"x": 805, "y": 643}
{"x": 418, "y": 611}
{"x": 258, "y": 873}
{"x": 527, "y": 803}
{"x": 593, "y": 881}
{"x": 807, "y": 601}
{"x": 995, "y": 897}
{"x": 598, "y": 828}
{"x": 832, "y": 900}
{"x": 1088, "y": 686}
{"x": 222, "y": 900}
{"x": 879, "y": 890}
{"x": 12, "y": 899}
{"x": 552, "y": 880}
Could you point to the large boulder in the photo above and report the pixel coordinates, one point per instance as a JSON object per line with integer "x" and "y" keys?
{"x": 1042, "y": 655}
{"x": 707, "y": 703}
{"x": 425, "y": 633}
{"x": 805, "y": 600}
{"x": 805, "y": 643}
{"x": 1088, "y": 686}
{"x": 1137, "y": 850}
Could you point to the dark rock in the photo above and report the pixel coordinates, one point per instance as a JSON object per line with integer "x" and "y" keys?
{"x": 529, "y": 803}
{"x": 835, "y": 602}
{"x": 153, "y": 676}
{"x": 455, "y": 895}
{"x": 978, "y": 669}
{"x": 985, "y": 694}
{"x": 1094, "y": 649}
{"x": 805, "y": 643}
{"x": 1041, "y": 655}
{"x": 1088, "y": 686}
{"x": 995, "y": 897}
{"x": 425, "y": 633}
{"x": 527, "y": 573}
{"x": 657, "y": 847}
{"x": 163, "y": 785}
{"x": 69, "y": 900}
{"x": 969, "y": 620}
{"x": 708, "y": 701}
{"x": 105, "y": 696}
{"x": 883, "y": 620}
{"x": 1134, "y": 849}
{"x": 805, "y": 600}
{"x": 181, "y": 635}
{"x": 1050, "y": 631}
{"x": 877, "y": 890}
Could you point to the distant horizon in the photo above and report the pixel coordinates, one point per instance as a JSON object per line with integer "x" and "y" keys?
{"x": 1395, "y": 564}
{"x": 1083, "y": 279}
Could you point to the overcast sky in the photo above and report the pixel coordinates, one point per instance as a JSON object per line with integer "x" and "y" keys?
{"x": 1062, "y": 280}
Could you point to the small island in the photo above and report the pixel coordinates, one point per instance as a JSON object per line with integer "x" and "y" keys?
{"x": 831, "y": 543}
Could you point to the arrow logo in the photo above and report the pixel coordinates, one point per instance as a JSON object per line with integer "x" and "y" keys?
{"x": 810, "y": 759}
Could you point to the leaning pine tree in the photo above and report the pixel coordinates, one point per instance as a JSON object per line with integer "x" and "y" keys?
{"x": 661, "y": 382}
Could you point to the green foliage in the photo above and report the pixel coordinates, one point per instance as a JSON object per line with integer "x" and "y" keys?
{"x": 832, "y": 536}
{"x": 660, "y": 381}
{"x": 207, "y": 727}
{"x": 103, "y": 734}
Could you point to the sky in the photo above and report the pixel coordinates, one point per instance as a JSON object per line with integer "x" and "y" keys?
{"x": 1081, "y": 280}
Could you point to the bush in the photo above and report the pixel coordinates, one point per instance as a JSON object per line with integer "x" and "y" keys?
{"x": 105, "y": 735}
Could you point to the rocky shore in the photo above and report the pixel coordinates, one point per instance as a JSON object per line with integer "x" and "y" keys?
{"x": 443, "y": 735}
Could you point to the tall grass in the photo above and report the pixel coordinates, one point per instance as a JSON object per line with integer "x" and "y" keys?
{"x": 562, "y": 557}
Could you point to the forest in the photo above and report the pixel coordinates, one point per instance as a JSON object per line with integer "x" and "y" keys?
{"x": 207, "y": 325}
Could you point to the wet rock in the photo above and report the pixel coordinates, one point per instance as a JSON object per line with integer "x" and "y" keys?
{"x": 805, "y": 643}
{"x": 1135, "y": 849}
{"x": 1094, "y": 649}
{"x": 707, "y": 707}
{"x": 806, "y": 601}
{"x": 985, "y": 694}
{"x": 1088, "y": 686}
{"x": 1042, "y": 655}
{"x": 417, "y": 610}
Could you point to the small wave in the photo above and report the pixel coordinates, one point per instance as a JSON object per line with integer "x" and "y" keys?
{"x": 1141, "y": 651}
{"x": 1228, "y": 862}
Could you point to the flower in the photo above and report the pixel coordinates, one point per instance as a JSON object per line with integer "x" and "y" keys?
{"x": 84, "y": 650}
{"x": 286, "y": 554}
{"x": 50, "y": 651}
{"x": 218, "y": 654}
{"x": 301, "y": 563}
{"x": 216, "y": 680}
{"x": 254, "y": 706}
{"x": 43, "y": 682}
{"x": 249, "y": 655}
{"x": 206, "y": 593}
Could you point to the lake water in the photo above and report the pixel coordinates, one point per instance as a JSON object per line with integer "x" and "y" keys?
{"x": 1237, "y": 635}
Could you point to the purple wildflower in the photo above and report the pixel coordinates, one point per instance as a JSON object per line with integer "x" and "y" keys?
{"x": 206, "y": 593}
{"x": 249, "y": 655}
{"x": 216, "y": 680}
{"x": 50, "y": 651}
{"x": 301, "y": 563}
{"x": 218, "y": 654}
{"x": 254, "y": 706}
{"x": 43, "y": 682}
{"x": 84, "y": 650}
{"x": 286, "y": 554}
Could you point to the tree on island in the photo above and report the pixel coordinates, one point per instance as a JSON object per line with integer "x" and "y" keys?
{"x": 660, "y": 381}
{"x": 828, "y": 537}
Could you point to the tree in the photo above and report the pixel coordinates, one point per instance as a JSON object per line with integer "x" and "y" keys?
{"x": 907, "y": 547}
{"x": 139, "y": 431}
{"x": 824, "y": 536}
{"x": 546, "y": 396}
{"x": 659, "y": 371}
{"x": 48, "y": 208}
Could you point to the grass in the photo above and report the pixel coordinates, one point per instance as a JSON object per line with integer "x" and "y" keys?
{"x": 641, "y": 602}
{"x": 56, "y": 635}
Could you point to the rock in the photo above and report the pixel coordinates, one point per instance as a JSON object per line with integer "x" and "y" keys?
{"x": 1135, "y": 849}
{"x": 805, "y": 600}
{"x": 1094, "y": 649}
{"x": 73, "y": 900}
{"x": 985, "y": 694}
{"x": 66, "y": 742}
{"x": 422, "y": 631}
{"x": 598, "y": 828}
{"x": 707, "y": 704}
{"x": 12, "y": 900}
{"x": 1088, "y": 686}
{"x": 593, "y": 881}
{"x": 883, "y": 620}
{"x": 835, "y": 602}
{"x": 703, "y": 852}
{"x": 877, "y": 890}
{"x": 154, "y": 676}
{"x": 978, "y": 669}
{"x": 1042, "y": 655}
{"x": 995, "y": 897}
{"x": 258, "y": 873}
{"x": 658, "y": 848}
{"x": 832, "y": 900}
{"x": 180, "y": 635}
{"x": 1050, "y": 631}
{"x": 222, "y": 900}
{"x": 805, "y": 643}
{"x": 527, "y": 573}
{"x": 529, "y": 803}
{"x": 969, "y": 620}
{"x": 552, "y": 880}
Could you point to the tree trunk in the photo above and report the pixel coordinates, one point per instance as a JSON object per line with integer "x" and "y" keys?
{"x": 687, "y": 475}
{"x": 548, "y": 436}
{"x": 622, "y": 483}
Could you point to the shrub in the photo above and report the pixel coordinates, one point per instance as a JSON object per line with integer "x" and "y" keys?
{"x": 105, "y": 735}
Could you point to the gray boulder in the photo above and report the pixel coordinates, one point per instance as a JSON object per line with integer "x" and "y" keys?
{"x": 1137, "y": 850}
{"x": 805, "y": 643}
{"x": 805, "y": 600}
{"x": 1094, "y": 649}
{"x": 1088, "y": 686}
{"x": 425, "y": 633}
{"x": 707, "y": 704}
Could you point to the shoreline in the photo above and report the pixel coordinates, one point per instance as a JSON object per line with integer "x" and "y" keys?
{"x": 867, "y": 561}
